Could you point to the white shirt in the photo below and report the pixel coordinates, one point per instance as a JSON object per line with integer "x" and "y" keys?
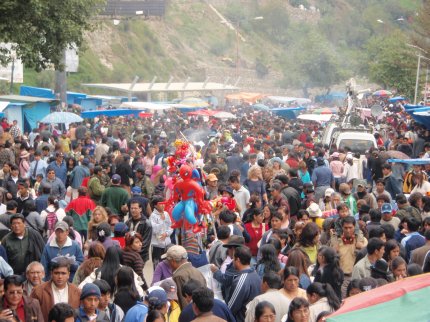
{"x": 60, "y": 296}
{"x": 242, "y": 198}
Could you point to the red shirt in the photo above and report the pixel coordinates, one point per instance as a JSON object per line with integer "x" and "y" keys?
{"x": 19, "y": 309}
{"x": 81, "y": 205}
{"x": 255, "y": 234}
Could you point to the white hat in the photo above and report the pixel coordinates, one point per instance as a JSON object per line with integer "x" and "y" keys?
{"x": 163, "y": 134}
{"x": 314, "y": 210}
{"x": 329, "y": 192}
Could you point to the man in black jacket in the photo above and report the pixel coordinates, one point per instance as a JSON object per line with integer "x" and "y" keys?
{"x": 141, "y": 225}
{"x": 23, "y": 245}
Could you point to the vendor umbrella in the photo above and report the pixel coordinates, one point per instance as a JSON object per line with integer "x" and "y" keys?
{"x": 382, "y": 93}
{"x": 61, "y": 117}
{"x": 145, "y": 115}
{"x": 405, "y": 300}
{"x": 260, "y": 107}
{"x": 392, "y": 154}
{"x": 194, "y": 102}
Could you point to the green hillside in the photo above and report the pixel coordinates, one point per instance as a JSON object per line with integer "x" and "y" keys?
{"x": 289, "y": 48}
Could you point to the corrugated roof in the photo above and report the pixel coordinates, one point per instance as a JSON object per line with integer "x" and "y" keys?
{"x": 25, "y": 99}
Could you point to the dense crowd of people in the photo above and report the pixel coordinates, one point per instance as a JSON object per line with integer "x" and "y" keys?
{"x": 295, "y": 227}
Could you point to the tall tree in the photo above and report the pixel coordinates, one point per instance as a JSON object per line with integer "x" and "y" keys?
{"x": 42, "y": 29}
{"x": 390, "y": 63}
{"x": 311, "y": 62}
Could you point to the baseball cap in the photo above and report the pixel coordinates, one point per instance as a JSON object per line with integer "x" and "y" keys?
{"x": 386, "y": 208}
{"x": 116, "y": 178}
{"x": 169, "y": 286}
{"x": 176, "y": 253}
{"x": 227, "y": 189}
{"x": 61, "y": 225}
{"x": 85, "y": 161}
{"x": 157, "y": 297}
{"x": 211, "y": 177}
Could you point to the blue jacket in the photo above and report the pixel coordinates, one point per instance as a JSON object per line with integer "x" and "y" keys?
{"x": 52, "y": 250}
{"x": 219, "y": 309}
{"x": 60, "y": 170}
{"x": 137, "y": 313}
{"x": 77, "y": 176}
{"x": 246, "y": 286}
{"x": 411, "y": 242}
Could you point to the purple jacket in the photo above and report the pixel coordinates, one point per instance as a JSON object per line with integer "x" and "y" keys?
{"x": 162, "y": 271}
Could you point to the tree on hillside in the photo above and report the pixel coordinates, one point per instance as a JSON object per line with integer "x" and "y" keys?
{"x": 42, "y": 29}
{"x": 311, "y": 62}
{"x": 421, "y": 36}
{"x": 390, "y": 63}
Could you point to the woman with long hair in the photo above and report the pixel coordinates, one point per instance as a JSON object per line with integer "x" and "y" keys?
{"x": 104, "y": 236}
{"x": 298, "y": 259}
{"x": 255, "y": 228}
{"x": 298, "y": 311}
{"x": 391, "y": 251}
{"x": 255, "y": 183}
{"x": 126, "y": 293}
{"x": 130, "y": 255}
{"x": 322, "y": 298}
{"x": 309, "y": 240}
{"x": 327, "y": 269}
{"x": 421, "y": 185}
{"x": 269, "y": 260}
{"x": 264, "y": 311}
{"x": 268, "y": 211}
{"x": 291, "y": 287}
{"x": 254, "y": 203}
{"x": 96, "y": 254}
{"x": 98, "y": 216}
{"x": 399, "y": 268}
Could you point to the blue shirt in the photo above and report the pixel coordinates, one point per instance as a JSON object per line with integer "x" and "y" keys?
{"x": 137, "y": 313}
{"x": 60, "y": 170}
{"x": 322, "y": 176}
{"x": 219, "y": 309}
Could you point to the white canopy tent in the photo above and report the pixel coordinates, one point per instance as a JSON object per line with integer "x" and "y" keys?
{"x": 146, "y": 106}
{"x": 315, "y": 117}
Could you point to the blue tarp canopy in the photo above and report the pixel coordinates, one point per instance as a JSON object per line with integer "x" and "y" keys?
{"x": 396, "y": 99}
{"x": 36, "y": 91}
{"x": 89, "y": 104}
{"x": 72, "y": 97}
{"x": 110, "y": 113}
{"x": 416, "y": 112}
{"x": 289, "y": 113}
{"x": 410, "y": 161}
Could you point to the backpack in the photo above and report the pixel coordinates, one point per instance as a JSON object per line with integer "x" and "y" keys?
{"x": 50, "y": 222}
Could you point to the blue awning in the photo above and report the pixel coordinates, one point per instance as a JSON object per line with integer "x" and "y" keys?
{"x": 109, "y": 113}
{"x": 290, "y": 113}
{"x": 410, "y": 161}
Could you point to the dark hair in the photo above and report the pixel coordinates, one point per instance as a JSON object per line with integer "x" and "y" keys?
{"x": 103, "y": 286}
{"x": 296, "y": 304}
{"x": 309, "y": 232}
{"x": 348, "y": 220}
{"x": 155, "y": 200}
{"x": 53, "y": 201}
{"x": 298, "y": 259}
{"x": 269, "y": 259}
{"x": 223, "y": 232}
{"x": 233, "y": 179}
{"x": 129, "y": 239}
{"x": 103, "y": 231}
{"x": 414, "y": 269}
{"x": 301, "y": 213}
{"x": 244, "y": 255}
{"x": 125, "y": 281}
{"x": 389, "y": 231}
{"x": 355, "y": 283}
{"x": 16, "y": 216}
{"x": 272, "y": 279}
{"x": 203, "y": 298}
{"x": 227, "y": 216}
{"x": 374, "y": 245}
{"x": 375, "y": 215}
{"x": 110, "y": 266}
{"x": 17, "y": 280}
{"x": 413, "y": 199}
{"x": 324, "y": 290}
{"x": 386, "y": 166}
{"x": 60, "y": 312}
{"x": 259, "y": 309}
{"x": 11, "y": 205}
{"x": 389, "y": 246}
{"x": 341, "y": 206}
{"x": 332, "y": 271}
{"x": 396, "y": 262}
{"x": 376, "y": 232}
{"x": 60, "y": 262}
{"x": 190, "y": 286}
{"x": 413, "y": 223}
{"x": 290, "y": 270}
{"x": 153, "y": 315}
{"x": 252, "y": 213}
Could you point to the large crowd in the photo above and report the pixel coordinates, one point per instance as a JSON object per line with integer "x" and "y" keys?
{"x": 294, "y": 227}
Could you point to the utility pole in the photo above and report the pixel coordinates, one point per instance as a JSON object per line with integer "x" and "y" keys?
{"x": 61, "y": 80}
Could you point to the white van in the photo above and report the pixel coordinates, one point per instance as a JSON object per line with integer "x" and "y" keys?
{"x": 358, "y": 142}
